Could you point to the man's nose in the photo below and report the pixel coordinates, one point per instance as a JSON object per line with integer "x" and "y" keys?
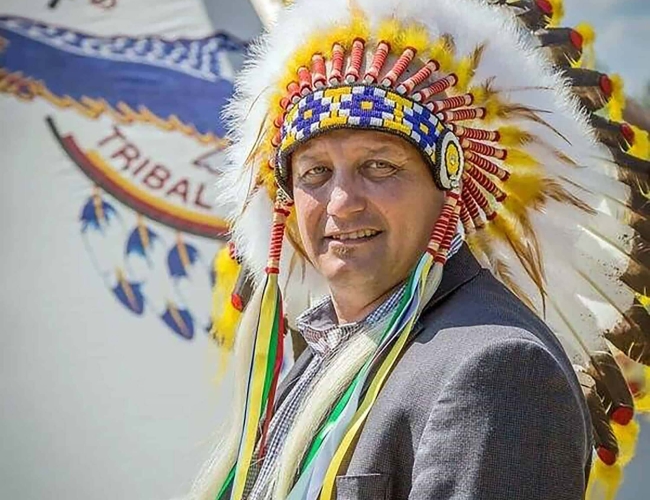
{"x": 346, "y": 198}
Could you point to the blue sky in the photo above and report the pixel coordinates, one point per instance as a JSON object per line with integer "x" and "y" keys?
{"x": 623, "y": 36}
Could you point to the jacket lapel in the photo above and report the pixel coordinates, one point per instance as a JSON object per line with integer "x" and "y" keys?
{"x": 460, "y": 269}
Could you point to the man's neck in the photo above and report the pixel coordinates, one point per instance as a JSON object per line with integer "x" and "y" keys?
{"x": 351, "y": 306}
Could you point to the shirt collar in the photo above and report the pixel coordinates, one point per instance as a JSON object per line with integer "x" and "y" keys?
{"x": 320, "y": 329}
{"x": 319, "y": 325}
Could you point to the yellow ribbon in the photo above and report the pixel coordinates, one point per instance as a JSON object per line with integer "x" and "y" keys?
{"x": 327, "y": 493}
{"x": 260, "y": 361}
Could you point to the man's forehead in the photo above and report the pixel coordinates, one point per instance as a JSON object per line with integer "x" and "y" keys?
{"x": 358, "y": 141}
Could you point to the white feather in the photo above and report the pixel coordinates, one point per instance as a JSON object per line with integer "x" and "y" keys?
{"x": 520, "y": 72}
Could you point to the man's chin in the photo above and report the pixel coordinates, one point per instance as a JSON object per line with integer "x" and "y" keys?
{"x": 349, "y": 268}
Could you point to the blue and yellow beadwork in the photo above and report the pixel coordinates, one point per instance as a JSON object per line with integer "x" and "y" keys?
{"x": 371, "y": 108}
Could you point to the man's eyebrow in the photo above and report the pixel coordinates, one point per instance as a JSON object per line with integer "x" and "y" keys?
{"x": 308, "y": 157}
{"x": 383, "y": 149}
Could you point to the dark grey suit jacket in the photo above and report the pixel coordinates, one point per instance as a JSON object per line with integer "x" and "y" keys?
{"x": 482, "y": 405}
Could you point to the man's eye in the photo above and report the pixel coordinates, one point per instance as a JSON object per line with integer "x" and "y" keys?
{"x": 314, "y": 174}
{"x": 379, "y": 168}
{"x": 316, "y": 171}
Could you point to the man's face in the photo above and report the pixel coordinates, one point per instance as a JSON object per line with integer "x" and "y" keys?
{"x": 365, "y": 204}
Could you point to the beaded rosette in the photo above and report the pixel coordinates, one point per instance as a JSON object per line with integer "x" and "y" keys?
{"x": 551, "y": 197}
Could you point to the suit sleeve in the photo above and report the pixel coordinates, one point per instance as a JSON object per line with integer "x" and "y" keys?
{"x": 507, "y": 425}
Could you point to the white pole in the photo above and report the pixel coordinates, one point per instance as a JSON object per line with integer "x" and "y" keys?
{"x": 268, "y": 10}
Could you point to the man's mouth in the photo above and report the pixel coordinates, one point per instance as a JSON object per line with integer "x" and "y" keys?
{"x": 363, "y": 234}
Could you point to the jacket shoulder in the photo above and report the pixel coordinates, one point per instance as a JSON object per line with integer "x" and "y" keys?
{"x": 480, "y": 313}
{"x": 478, "y": 321}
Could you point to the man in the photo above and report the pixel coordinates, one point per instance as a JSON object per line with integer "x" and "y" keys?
{"x": 401, "y": 143}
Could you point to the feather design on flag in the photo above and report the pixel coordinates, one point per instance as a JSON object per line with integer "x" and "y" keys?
{"x": 191, "y": 277}
{"x": 179, "y": 320}
{"x": 180, "y": 258}
{"x": 141, "y": 239}
{"x": 96, "y": 213}
{"x": 129, "y": 293}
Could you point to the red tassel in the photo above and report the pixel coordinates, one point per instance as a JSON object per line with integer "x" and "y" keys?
{"x": 459, "y": 115}
{"x": 483, "y": 149}
{"x": 473, "y": 209}
{"x": 280, "y": 214}
{"x": 338, "y": 56}
{"x": 276, "y": 139}
{"x": 475, "y": 133}
{"x": 607, "y": 456}
{"x": 293, "y": 88}
{"x": 452, "y": 103}
{"x": 435, "y": 88}
{"x": 475, "y": 192}
{"x": 439, "y": 230}
{"x": 319, "y": 78}
{"x": 486, "y": 183}
{"x": 407, "y": 86}
{"x": 399, "y": 67}
{"x": 353, "y": 71}
{"x": 378, "y": 61}
{"x": 304, "y": 78}
{"x": 623, "y": 415}
{"x": 442, "y": 224}
{"x": 466, "y": 219}
{"x": 452, "y": 226}
{"x": 487, "y": 165}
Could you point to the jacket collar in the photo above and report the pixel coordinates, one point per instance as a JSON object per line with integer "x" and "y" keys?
{"x": 459, "y": 269}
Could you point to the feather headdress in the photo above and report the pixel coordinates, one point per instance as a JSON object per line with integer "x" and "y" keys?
{"x": 496, "y": 97}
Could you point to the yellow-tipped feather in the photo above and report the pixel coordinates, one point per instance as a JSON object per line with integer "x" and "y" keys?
{"x": 642, "y": 403}
{"x": 495, "y": 108}
{"x": 359, "y": 28}
{"x": 627, "y": 436}
{"x": 520, "y": 159}
{"x": 414, "y": 36}
{"x": 505, "y": 226}
{"x": 641, "y": 146}
{"x": 604, "y": 481}
{"x": 558, "y": 12}
{"x": 443, "y": 52}
{"x": 512, "y": 137}
{"x": 515, "y": 230}
{"x": 644, "y": 300}
{"x": 482, "y": 93}
{"x": 524, "y": 189}
{"x": 389, "y": 31}
{"x": 225, "y": 317}
{"x": 588, "y": 35}
{"x": 466, "y": 68}
{"x": 616, "y": 103}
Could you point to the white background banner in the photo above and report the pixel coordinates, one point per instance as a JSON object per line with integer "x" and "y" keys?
{"x": 111, "y": 137}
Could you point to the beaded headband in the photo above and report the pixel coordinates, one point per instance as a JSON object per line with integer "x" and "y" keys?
{"x": 370, "y": 107}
